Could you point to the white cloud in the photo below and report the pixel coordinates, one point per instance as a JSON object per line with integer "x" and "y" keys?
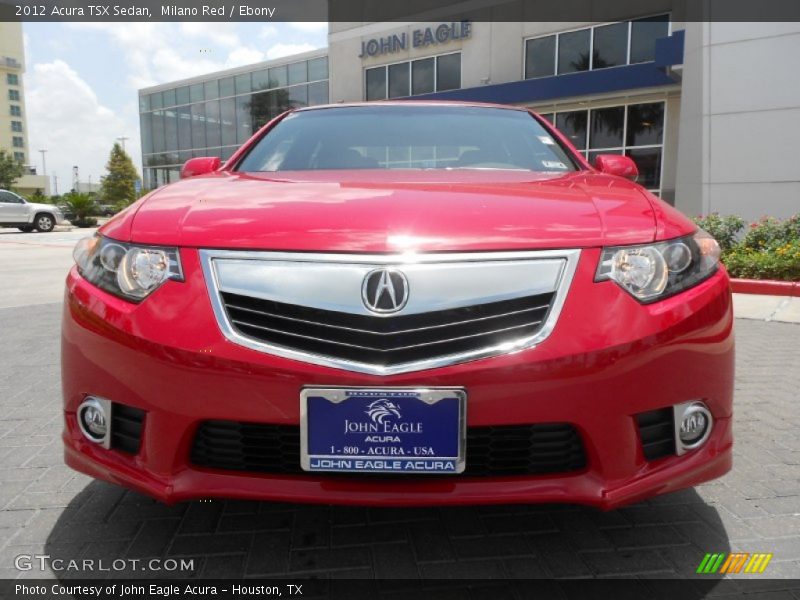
{"x": 310, "y": 27}
{"x": 222, "y": 34}
{"x": 66, "y": 118}
{"x": 244, "y": 56}
{"x": 281, "y": 50}
{"x": 268, "y": 31}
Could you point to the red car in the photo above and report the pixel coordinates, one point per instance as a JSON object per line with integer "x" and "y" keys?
{"x": 401, "y": 303}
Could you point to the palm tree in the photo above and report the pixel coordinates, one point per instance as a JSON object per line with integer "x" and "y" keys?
{"x": 82, "y": 206}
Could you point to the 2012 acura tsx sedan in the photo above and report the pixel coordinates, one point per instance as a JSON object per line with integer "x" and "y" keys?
{"x": 400, "y": 303}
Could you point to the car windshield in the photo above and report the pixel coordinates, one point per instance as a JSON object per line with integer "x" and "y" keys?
{"x": 408, "y": 137}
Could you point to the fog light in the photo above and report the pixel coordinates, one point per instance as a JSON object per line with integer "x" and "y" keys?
{"x": 693, "y": 424}
{"x": 94, "y": 419}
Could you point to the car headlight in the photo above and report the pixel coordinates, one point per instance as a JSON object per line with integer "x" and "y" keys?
{"x": 650, "y": 272}
{"x": 129, "y": 271}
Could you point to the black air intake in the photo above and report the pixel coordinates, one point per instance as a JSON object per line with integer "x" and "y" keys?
{"x": 657, "y": 432}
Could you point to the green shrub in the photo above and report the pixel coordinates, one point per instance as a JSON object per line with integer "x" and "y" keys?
{"x": 770, "y": 248}
{"x": 85, "y": 222}
{"x": 723, "y": 229}
{"x": 770, "y": 262}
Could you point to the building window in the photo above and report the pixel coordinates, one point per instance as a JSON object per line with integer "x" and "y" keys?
{"x": 635, "y": 130}
{"x": 16, "y": 126}
{"x": 573, "y": 51}
{"x": 19, "y": 157}
{"x": 12, "y": 79}
{"x": 644, "y": 33}
{"x": 540, "y": 57}
{"x": 597, "y": 47}
{"x": 376, "y": 83}
{"x": 13, "y": 95}
{"x": 410, "y": 78}
{"x": 16, "y": 111}
{"x": 17, "y": 142}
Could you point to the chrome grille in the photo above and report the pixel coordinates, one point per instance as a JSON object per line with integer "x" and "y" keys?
{"x": 457, "y": 307}
{"x": 386, "y": 341}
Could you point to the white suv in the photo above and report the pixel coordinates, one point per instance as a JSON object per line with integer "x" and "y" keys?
{"x": 15, "y": 211}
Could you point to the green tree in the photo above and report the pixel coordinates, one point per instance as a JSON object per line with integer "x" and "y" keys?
{"x": 10, "y": 170}
{"x": 119, "y": 186}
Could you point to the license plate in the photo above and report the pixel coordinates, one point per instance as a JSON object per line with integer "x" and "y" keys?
{"x": 395, "y": 430}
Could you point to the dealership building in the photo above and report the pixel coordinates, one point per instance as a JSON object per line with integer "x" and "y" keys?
{"x": 706, "y": 110}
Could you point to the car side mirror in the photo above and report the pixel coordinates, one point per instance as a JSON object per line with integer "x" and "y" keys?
{"x": 615, "y": 164}
{"x": 200, "y": 166}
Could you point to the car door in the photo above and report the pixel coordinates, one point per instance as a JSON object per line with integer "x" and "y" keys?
{"x": 12, "y": 208}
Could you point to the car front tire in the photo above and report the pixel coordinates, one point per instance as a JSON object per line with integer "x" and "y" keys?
{"x": 44, "y": 223}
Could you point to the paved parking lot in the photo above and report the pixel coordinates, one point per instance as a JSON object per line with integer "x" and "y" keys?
{"x": 47, "y": 509}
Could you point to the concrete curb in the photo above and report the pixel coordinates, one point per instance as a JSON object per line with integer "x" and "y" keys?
{"x": 767, "y": 287}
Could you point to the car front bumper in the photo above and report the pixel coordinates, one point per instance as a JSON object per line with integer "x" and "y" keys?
{"x": 607, "y": 360}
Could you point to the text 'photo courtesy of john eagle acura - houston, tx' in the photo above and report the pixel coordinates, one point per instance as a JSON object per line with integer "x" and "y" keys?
{"x": 400, "y": 303}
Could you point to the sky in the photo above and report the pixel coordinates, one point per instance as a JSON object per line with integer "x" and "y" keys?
{"x": 82, "y": 79}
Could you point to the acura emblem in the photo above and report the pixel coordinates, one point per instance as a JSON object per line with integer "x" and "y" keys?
{"x": 385, "y": 290}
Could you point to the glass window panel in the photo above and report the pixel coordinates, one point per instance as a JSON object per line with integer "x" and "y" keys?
{"x": 540, "y": 58}
{"x": 182, "y": 95}
{"x": 261, "y": 80}
{"x": 158, "y": 131}
{"x": 226, "y": 87}
{"x": 573, "y": 51}
{"x": 243, "y": 83}
{"x": 298, "y": 96}
{"x": 169, "y": 98}
{"x": 198, "y": 126}
{"x": 644, "y": 33}
{"x": 318, "y": 69}
{"x": 547, "y": 116}
{"x": 156, "y": 100}
{"x": 422, "y": 76}
{"x": 263, "y": 107}
{"x": 376, "y": 83}
{"x": 298, "y": 72}
{"x": 244, "y": 123}
{"x": 648, "y": 160}
{"x": 228, "y": 121}
{"x": 228, "y": 152}
{"x": 573, "y": 125}
{"x": 196, "y": 92}
{"x": 213, "y": 130}
{"x": 278, "y": 76}
{"x": 146, "y": 125}
{"x": 399, "y": 82}
{"x": 144, "y": 100}
{"x": 184, "y": 127}
{"x": 610, "y": 46}
{"x": 211, "y": 89}
{"x": 171, "y": 129}
{"x": 645, "y": 124}
{"x": 606, "y": 127}
{"x": 318, "y": 93}
{"x": 448, "y": 72}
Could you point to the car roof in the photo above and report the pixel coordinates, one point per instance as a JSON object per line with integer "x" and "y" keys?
{"x": 373, "y": 104}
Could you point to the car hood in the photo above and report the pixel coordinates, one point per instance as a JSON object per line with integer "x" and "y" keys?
{"x": 391, "y": 211}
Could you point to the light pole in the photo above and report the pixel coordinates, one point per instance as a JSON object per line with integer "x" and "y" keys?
{"x": 44, "y": 165}
{"x": 122, "y": 139}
